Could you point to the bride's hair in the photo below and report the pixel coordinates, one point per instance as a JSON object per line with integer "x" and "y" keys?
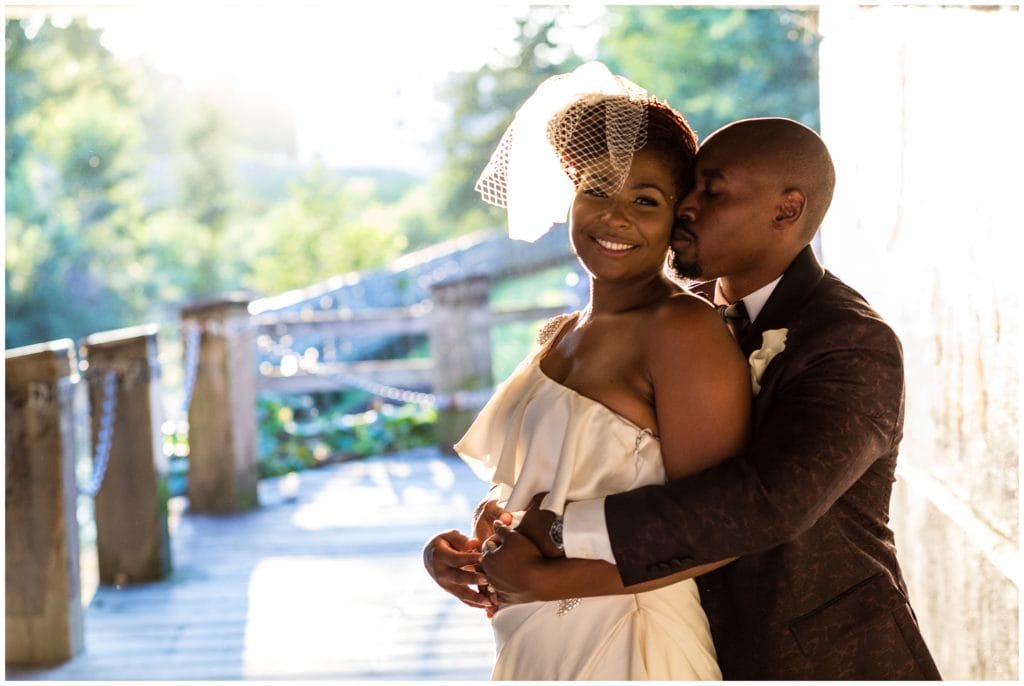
{"x": 587, "y": 119}
{"x": 599, "y": 136}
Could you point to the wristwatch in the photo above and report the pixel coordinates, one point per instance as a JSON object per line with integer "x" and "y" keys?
{"x": 555, "y": 533}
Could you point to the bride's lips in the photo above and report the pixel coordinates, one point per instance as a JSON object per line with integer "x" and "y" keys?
{"x": 613, "y": 247}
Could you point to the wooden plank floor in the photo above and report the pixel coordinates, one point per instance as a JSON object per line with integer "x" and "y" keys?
{"x": 327, "y": 583}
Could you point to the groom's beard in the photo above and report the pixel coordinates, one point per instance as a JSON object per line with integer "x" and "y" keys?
{"x": 685, "y": 269}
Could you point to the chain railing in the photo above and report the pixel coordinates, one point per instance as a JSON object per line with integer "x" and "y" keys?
{"x": 105, "y": 435}
{"x": 191, "y": 338}
{"x": 404, "y": 395}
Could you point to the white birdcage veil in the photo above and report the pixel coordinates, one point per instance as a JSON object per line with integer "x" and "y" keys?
{"x": 533, "y": 171}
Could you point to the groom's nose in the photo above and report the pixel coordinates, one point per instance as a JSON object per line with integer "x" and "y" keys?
{"x": 686, "y": 210}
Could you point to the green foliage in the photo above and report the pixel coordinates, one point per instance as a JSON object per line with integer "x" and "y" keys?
{"x": 484, "y": 103}
{"x": 316, "y": 233}
{"x": 716, "y": 65}
{"x": 512, "y": 342}
{"x": 295, "y": 434}
{"x": 74, "y": 217}
{"x": 205, "y": 197}
{"x": 136, "y": 194}
{"x": 545, "y": 288}
{"x": 123, "y": 188}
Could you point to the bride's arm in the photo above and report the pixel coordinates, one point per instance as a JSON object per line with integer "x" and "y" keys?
{"x": 701, "y": 388}
{"x": 701, "y": 385}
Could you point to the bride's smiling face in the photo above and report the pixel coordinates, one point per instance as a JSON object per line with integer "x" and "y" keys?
{"x": 625, "y": 234}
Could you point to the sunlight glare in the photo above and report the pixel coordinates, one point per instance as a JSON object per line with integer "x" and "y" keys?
{"x": 361, "y": 81}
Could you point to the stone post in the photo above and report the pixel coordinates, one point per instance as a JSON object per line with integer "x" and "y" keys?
{"x": 131, "y": 505}
{"x": 223, "y": 474}
{"x": 43, "y": 587}
{"x": 460, "y": 344}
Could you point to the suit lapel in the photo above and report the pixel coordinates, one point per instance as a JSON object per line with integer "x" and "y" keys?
{"x": 799, "y": 279}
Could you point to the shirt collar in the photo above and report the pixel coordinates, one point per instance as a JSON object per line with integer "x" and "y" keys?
{"x": 754, "y": 302}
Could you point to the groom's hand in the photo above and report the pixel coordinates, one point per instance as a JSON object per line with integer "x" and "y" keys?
{"x": 536, "y": 526}
{"x": 452, "y": 561}
{"x": 514, "y": 566}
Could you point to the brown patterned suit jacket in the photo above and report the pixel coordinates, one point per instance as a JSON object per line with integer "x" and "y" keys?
{"x": 816, "y": 592}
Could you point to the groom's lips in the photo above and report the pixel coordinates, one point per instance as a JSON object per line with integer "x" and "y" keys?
{"x": 682, "y": 236}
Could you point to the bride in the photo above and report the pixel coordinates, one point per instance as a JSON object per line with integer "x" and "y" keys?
{"x": 644, "y": 384}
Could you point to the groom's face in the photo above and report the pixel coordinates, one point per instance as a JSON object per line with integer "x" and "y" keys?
{"x": 723, "y": 225}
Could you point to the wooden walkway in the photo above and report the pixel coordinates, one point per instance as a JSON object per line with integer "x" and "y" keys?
{"x": 327, "y": 583}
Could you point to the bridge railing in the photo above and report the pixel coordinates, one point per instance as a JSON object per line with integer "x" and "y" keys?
{"x": 121, "y": 375}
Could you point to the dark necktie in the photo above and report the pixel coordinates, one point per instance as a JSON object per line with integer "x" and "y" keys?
{"x": 735, "y": 317}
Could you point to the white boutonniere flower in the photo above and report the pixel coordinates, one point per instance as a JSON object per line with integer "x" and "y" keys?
{"x": 773, "y": 343}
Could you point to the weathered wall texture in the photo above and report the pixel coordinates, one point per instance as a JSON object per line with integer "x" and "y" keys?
{"x": 920, "y": 108}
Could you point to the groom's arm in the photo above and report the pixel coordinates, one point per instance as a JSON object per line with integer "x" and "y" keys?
{"x": 834, "y": 417}
{"x": 836, "y": 411}
{"x": 519, "y": 572}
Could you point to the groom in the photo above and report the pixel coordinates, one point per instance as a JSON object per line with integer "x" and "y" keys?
{"x": 816, "y": 591}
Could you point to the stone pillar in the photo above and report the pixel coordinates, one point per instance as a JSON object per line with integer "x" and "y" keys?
{"x": 223, "y": 475}
{"x": 42, "y": 582}
{"x": 926, "y": 224}
{"x": 132, "y": 542}
{"x": 460, "y": 344}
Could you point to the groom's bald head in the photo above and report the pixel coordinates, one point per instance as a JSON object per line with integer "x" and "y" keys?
{"x": 788, "y": 153}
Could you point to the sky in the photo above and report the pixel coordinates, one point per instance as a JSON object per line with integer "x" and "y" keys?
{"x": 360, "y": 78}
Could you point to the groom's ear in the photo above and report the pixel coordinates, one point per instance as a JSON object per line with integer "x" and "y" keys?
{"x": 790, "y": 209}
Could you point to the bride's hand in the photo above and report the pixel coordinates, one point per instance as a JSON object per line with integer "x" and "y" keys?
{"x": 485, "y": 515}
{"x": 452, "y": 561}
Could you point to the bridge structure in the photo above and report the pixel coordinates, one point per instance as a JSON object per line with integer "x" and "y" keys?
{"x": 312, "y": 575}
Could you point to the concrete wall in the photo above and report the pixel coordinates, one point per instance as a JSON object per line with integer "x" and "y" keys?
{"x": 920, "y": 107}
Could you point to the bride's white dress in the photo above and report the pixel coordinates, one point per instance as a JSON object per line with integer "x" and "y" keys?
{"x": 537, "y": 435}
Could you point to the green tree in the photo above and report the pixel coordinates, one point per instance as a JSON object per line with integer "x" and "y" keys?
{"x": 716, "y": 65}
{"x": 204, "y": 197}
{"x": 74, "y": 216}
{"x": 484, "y": 103}
{"x": 320, "y": 231}
{"x": 713, "y": 64}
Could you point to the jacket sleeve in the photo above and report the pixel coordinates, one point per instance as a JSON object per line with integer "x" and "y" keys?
{"x": 834, "y": 408}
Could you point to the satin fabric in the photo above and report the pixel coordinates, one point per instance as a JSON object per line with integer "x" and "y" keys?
{"x": 537, "y": 435}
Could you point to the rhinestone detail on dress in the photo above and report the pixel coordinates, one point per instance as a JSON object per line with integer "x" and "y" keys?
{"x": 568, "y": 605}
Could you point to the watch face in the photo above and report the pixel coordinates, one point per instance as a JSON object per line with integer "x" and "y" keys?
{"x": 555, "y": 532}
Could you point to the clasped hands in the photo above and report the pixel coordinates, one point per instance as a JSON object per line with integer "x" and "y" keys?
{"x": 499, "y": 565}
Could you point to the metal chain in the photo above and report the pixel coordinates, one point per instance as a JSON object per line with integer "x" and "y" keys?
{"x": 193, "y": 334}
{"x": 105, "y": 436}
{"x": 389, "y": 392}
{"x": 472, "y": 399}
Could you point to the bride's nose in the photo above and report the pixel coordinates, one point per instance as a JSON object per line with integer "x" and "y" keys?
{"x": 615, "y": 214}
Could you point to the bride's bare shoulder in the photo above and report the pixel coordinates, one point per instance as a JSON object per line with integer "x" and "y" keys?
{"x": 685, "y": 320}
{"x": 684, "y": 308}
